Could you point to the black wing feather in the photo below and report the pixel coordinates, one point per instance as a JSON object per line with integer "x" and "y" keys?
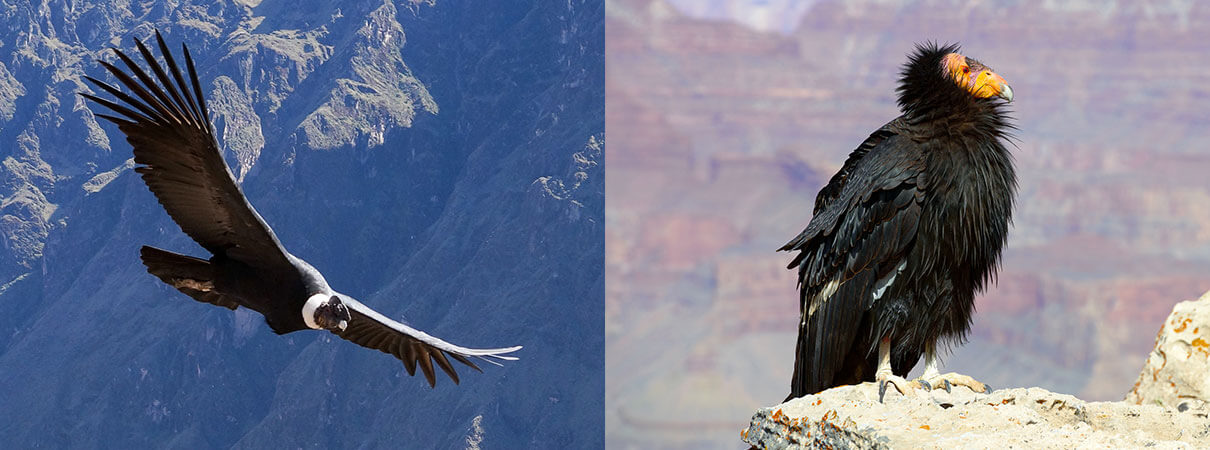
{"x": 370, "y": 329}
{"x": 161, "y": 102}
{"x": 197, "y": 111}
{"x": 197, "y": 88}
{"x": 865, "y": 221}
{"x": 834, "y": 186}
{"x": 180, "y": 161}
{"x": 176, "y": 102}
{"x": 145, "y": 114}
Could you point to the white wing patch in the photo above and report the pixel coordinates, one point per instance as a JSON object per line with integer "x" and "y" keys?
{"x": 881, "y": 285}
{"x": 820, "y": 299}
{"x": 426, "y": 339}
{"x": 824, "y": 295}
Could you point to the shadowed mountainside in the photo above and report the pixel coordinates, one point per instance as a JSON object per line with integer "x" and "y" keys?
{"x": 441, "y": 162}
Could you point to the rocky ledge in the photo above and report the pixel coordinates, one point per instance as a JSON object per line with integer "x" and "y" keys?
{"x": 852, "y": 417}
{"x": 1165, "y": 410}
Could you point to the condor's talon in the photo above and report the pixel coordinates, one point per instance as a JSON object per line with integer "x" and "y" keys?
{"x": 927, "y": 385}
{"x": 952, "y": 379}
{"x": 882, "y": 389}
{"x": 935, "y": 379}
{"x": 905, "y": 387}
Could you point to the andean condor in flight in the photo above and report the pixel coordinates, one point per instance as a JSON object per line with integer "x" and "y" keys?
{"x": 179, "y": 159}
{"x": 907, "y": 232}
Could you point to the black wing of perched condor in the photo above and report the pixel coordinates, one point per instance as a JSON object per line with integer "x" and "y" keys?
{"x": 865, "y": 219}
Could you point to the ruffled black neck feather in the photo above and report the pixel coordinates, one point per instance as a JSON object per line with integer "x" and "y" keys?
{"x": 927, "y": 94}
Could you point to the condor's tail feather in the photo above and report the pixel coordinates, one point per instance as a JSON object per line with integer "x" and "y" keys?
{"x": 192, "y": 276}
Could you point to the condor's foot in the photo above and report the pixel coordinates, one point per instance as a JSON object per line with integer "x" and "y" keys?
{"x": 903, "y": 386}
{"x": 948, "y": 380}
{"x": 884, "y": 376}
{"x": 935, "y": 380}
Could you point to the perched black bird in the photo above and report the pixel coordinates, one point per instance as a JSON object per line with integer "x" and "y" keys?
{"x": 179, "y": 159}
{"x": 907, "y": 232}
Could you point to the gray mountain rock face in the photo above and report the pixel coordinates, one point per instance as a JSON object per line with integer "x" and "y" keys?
{"x": 441, "y": 162}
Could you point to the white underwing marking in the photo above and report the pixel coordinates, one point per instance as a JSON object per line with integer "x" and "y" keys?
{"x": 881, "y": 285}
{"x": 203, "y": 286}
{"x": 822, "y": 297}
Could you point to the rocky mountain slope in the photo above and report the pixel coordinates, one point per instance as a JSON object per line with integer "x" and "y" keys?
{"x": 441, "y": 162}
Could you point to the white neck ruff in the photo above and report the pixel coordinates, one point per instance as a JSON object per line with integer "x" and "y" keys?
{"x": 308, "y": 311}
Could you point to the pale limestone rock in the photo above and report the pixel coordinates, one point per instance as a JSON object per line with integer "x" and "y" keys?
{"x": 852, "y": 417}
{"x": 1177, "y": 373}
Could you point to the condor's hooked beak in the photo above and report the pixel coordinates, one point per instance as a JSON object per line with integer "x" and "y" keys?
{"x": 976, "y": 78}
{"x": 1006, "y": 93}
{"x": 999, "y": 87}
{"x": 988, "y": 84}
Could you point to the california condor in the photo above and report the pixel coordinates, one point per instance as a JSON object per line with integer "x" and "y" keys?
{"x": 179, "y": 159}
{"x": 907, "y": 232}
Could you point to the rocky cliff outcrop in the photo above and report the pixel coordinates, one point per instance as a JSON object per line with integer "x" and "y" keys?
{"x": 1177, "y": 373}
{"x": 852, "y": 417}
{"x": 1165, "y": 409}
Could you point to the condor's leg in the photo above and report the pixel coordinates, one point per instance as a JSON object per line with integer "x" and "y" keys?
{"x": 885, "y": 376}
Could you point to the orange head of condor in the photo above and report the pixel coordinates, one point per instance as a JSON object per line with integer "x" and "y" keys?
{"x": 975, "y": 77}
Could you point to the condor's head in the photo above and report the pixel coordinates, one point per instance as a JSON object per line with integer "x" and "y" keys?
{"x": 938, "y": 77}
{"x": 326, "y": 312}
{"x": 974, "y": 77}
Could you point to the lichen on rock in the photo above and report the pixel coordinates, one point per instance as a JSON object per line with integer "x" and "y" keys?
{"x": 1177, "y": 372}
{"x": 852, "y": 417}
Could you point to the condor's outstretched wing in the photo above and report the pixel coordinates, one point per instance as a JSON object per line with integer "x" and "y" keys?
{"x": 865, "y": 221}
{"x": 370, "y": 329}
{"x": 179, "y": 159}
